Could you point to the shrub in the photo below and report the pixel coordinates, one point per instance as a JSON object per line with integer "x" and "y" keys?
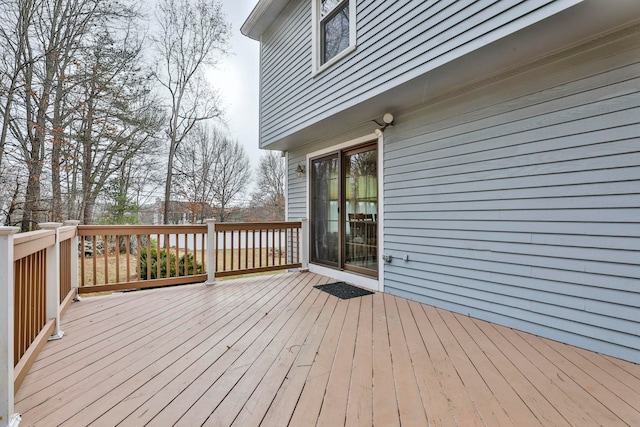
{"x": 192, "y": 267}
{"x": 154, "y": 264}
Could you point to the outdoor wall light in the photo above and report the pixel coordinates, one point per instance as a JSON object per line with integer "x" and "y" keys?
{"x": 300, "y": 170}
{"x": 387, "y": 120}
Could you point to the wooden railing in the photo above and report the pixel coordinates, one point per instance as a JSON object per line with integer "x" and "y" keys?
{"x": 30, "y": 283}
{"x": 36, "y": 280}
{"x": 127, "y": 257}
{"x": 257, "y": 247}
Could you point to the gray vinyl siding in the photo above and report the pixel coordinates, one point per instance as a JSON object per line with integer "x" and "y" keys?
{"x": 296, "y": 187}
{"x": 391, "y": 49}
{"x": 519, "y": 202}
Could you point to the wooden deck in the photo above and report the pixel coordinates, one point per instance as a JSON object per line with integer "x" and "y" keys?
{"x": 274, "y": 351}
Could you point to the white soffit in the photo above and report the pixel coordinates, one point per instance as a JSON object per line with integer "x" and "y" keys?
{"x": 261, "y": 18}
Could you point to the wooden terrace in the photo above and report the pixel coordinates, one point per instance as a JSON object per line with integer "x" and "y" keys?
{"x": 275, "y": 351}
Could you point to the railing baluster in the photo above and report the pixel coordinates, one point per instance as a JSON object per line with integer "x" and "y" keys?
{"x": 254, "y": 246}
{"x": 126, "y": 251}
{"x": 289, "y": 246}
{"x": 158, "y": 265}
{"x": 42, "y": 302}
{"x": 224, "y": 251}
{"x": 82, "y": 260}
{"x": 94, "y": 257}
{"x": 217, "y": 251}
{"x": 29, "y": 295}
{"x": 260, "y": 247}
{"x": 204, "y": 267}
{"x": 138, "y": 250}
{"x": 246, "y": 250}
{"x": 297, "y": 245}
{"x": 232, "y": 265}
{"x": 195, "y": 254}
{"x": 280, "y": 246}
{"x": 19, "y": 291}
{"x": 105, "y": 252}
{"x": 273, "y": 246}
{"x": 148, "y": 261}
{"x": 177, "y": 254}
{"x": 117, "y": 254}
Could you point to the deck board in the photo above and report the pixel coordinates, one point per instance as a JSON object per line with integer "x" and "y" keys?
{"x": 274, "y": 351}
{"x": 410, "y": 403}
{"x": 360, "y": 399}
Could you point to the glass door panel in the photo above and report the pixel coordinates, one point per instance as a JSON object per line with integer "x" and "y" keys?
{"x": 361, "y": 209}
{"x": 325, "y": 210}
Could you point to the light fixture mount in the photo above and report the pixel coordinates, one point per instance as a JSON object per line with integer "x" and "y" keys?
{"x": 387, "y": 120}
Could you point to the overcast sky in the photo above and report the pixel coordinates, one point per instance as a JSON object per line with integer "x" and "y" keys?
{"x": 236, "y": 80}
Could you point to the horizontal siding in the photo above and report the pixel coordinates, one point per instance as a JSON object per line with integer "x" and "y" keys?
{"x": 523, "y": 207}
{"x": 391, "y": 50}
{"x": 296, "y": 187}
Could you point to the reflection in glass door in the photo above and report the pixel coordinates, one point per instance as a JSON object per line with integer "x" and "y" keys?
{"x": 325, "y": 210}
{"x": 360, "y": 190}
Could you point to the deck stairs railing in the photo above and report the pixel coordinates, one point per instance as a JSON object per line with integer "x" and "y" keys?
{"x": 42, "y": 272}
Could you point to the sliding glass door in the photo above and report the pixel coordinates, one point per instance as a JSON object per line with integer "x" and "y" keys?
{"x": 325, "y": 207}
{"x": 344, "y": 210}
{"x": 361, "y": 209}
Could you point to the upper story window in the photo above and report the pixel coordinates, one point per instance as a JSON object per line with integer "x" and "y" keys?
{"x": 334, "y": 30}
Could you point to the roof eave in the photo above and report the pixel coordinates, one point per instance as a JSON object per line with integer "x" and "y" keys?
{"x": 261, "y": 17}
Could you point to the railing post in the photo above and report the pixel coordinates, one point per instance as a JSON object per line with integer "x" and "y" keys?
{"x": 304, "y": 244}
{"x": 211, "y": 251}
{"x": 7, "y": 416}
{"x": 75, "y": 256}
{"x": 53, "y": 279}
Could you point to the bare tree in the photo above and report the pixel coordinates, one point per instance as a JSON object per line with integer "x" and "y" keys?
{"x": 233, "y": 175}
{"x": 14, "y": 33}
{"x": 193, "y": 35}
{"x": 212, "y": 170}
{"x": 268, "y": 199}
{"x": 76, "y": 105}
{"x": 56, "y": 28}
{"x": 117, "y": 118}
{"x": 195, "y": 170}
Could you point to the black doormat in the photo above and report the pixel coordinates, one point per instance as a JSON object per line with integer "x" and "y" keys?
{"x": 343, "y": 290}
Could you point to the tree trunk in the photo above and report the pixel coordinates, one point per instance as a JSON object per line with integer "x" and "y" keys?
{"x": 87, "y": 165}
{"x": 32, "y": 197}
{"x": 56, "y": 203}
{"x": 167, "y": 187}
{"x": 89, "y": 206}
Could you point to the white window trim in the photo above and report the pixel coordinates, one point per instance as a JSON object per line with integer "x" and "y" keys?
{"x": 317, "y": 68}
{"x": 344, "y": 275}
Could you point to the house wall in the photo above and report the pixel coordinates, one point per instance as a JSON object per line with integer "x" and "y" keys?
{"x": 518, "y": 201}
{"x": 406, "y": 40}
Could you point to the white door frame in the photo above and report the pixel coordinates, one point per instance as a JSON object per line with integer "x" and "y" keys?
{"x": 343, "y": 275}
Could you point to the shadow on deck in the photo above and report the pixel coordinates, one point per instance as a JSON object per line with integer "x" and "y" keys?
{"x": 273, "y": 350}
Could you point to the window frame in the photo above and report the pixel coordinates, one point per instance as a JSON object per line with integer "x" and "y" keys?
{"x": 317, "y": 42}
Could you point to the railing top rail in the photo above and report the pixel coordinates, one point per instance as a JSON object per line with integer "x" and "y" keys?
{"x": 67, "y": 232}
{"x": 98, "y": 230}
{"x": 276, "y": 225}
{"x": 29, "y": 243}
